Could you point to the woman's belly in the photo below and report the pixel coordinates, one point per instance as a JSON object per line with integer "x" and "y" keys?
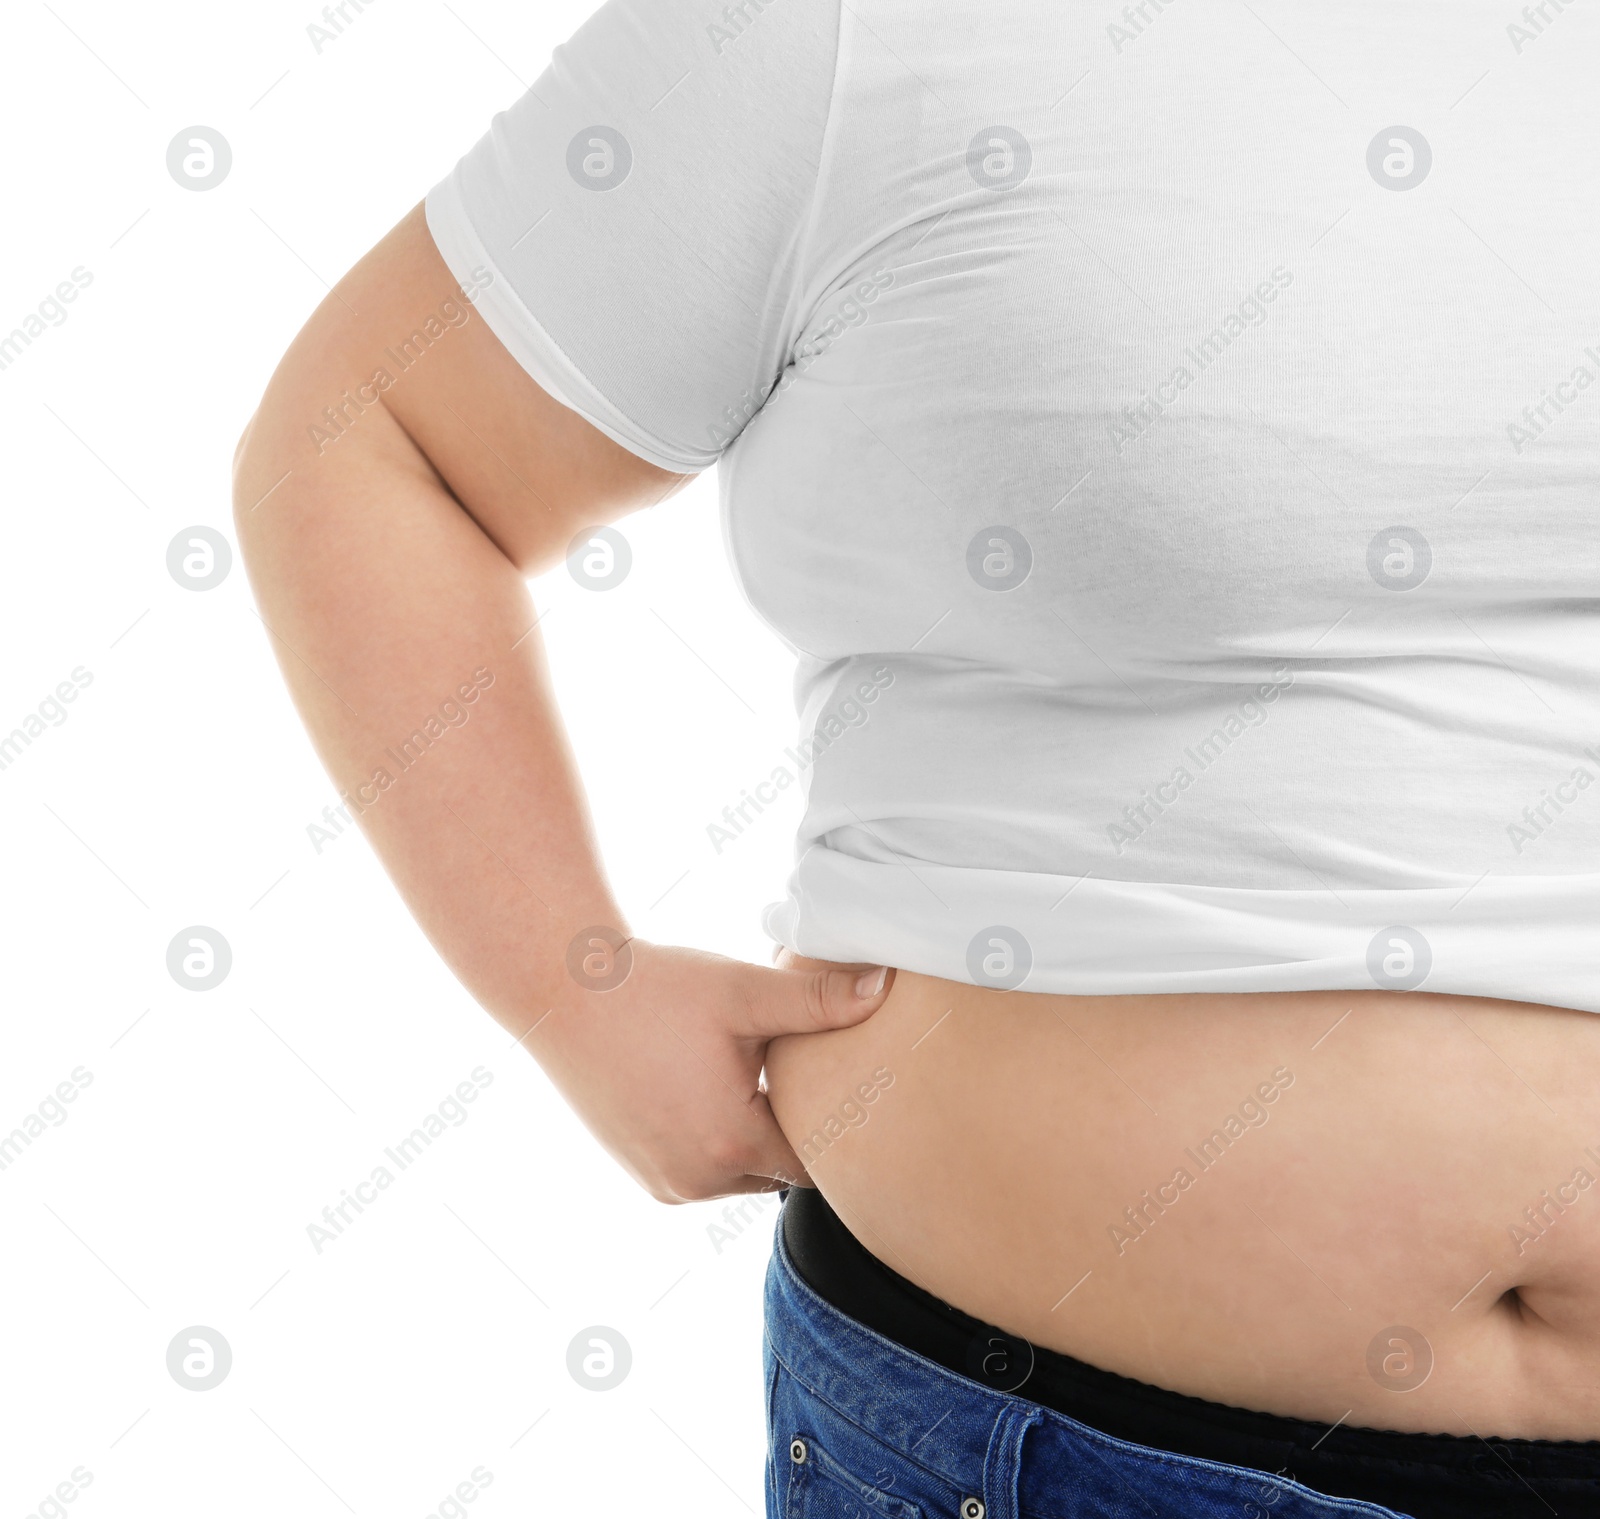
{"x": 1295, "y": 1203}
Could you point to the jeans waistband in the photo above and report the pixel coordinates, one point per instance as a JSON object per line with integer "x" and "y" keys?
{"x": 977, "y": 1439}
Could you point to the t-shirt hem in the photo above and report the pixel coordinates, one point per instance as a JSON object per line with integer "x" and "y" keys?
{"x": 1516, "y": 938}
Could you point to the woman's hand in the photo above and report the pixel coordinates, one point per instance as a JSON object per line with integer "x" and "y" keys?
{"x": 665, "y": 1069}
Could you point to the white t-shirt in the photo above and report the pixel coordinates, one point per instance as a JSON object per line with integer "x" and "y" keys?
{"x": 1171, "y": 448}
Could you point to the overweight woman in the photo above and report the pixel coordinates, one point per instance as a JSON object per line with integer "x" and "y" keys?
{"x": 1168, "y": 440}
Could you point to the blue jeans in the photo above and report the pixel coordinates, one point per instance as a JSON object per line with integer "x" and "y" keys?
{"x": 861, "y": 1428}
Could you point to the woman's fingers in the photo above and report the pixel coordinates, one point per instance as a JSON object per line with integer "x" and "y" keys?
{"x": 810, "y": 1001}
{"x": 772, "y": 1155}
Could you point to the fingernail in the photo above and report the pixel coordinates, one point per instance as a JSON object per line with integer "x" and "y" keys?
{"x": 870, "y": 983}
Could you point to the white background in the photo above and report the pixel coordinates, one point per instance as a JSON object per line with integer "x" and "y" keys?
{"x": 430, "y": 1338}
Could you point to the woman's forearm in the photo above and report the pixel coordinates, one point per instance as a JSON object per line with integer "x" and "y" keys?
{"x": 407, "y": 639}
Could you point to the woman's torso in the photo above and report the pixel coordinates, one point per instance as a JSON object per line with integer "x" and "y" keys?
{"x": 1181, "y": 495}
{"x": 1184, "y": 510}
{"x": 1372, "y": 1207}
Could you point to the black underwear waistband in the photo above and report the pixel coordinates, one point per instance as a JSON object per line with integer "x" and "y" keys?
{"x": 1426, "y": 1476}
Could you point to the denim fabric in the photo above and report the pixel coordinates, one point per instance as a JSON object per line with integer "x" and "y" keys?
{"x": 859, "y": 1427}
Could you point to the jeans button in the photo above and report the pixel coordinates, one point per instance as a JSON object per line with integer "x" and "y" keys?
{"x": 797, "y": 1454}
{"x": 971, "y": 1508}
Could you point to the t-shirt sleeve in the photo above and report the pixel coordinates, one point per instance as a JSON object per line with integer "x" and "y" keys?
{"x": 634, "y": 228}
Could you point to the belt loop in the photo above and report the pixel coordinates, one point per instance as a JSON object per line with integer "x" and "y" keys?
{"x": 1002, "y": 1465}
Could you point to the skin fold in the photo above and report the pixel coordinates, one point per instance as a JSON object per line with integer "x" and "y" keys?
{"x": 1423, "y": 1161}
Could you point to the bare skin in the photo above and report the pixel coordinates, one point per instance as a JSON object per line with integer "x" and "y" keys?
{"x": 1022, "y": 1160}
{"x": 1405, "y": 1136}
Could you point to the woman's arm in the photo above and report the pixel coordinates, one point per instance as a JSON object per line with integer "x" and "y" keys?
{"x": 387, "y": 540}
